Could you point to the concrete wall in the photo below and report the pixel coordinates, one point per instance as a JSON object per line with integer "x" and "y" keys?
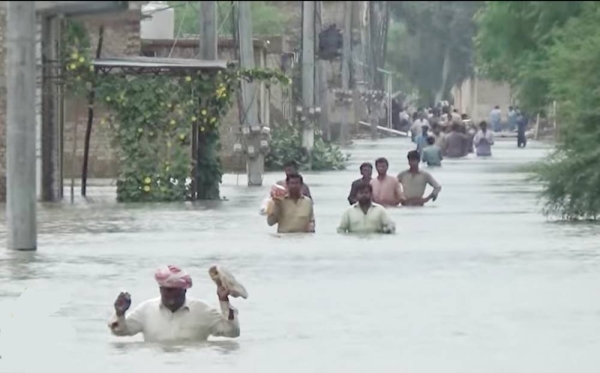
{"x": 477, "y": 97}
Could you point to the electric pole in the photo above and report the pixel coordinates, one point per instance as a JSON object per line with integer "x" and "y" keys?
{"x": 346, "y": 56}
{"x": 308, "y": 76}
{"x": 208, "y": 30}
{"x": 21, "y": 139}
{"x": 255, "y": 161}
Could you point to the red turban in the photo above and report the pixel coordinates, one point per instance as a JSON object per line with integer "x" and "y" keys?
{"x": 172, "y": 277}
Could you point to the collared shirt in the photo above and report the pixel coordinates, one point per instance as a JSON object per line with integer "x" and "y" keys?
{"x": 352, "y": 195}
{"x": 387, "y": 192}
{"x": 414, "y": 184}
{"x": 432, "y": 155}
{"x": 292, "y": 216}
{"x": 194, "y": 321}
{"x": 305, "y": 189}
{"x": 417, "y": 128}
{"x": 376, "y": 220}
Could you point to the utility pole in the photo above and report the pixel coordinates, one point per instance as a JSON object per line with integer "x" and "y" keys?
{"x": 208, "y": 29}
{"x": 346, "y": 57}
{"x": 20, "y": 139}
{"x": 207, "y": 18}
{"x": 308, "y": 75}
{"x": 255, "y": 161}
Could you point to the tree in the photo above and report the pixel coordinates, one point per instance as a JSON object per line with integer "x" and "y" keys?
{"x": 571, "y": 175}
{"x": 512, "y": 43}
{"x": 439, "y": 35}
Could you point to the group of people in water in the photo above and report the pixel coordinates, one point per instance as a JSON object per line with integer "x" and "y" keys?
{"x": 369, "y": 196}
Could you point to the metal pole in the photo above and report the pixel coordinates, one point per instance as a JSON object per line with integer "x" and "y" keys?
{"x": 308, "y": 73}
{"x": 346, "y": 56}
{"x": 255, "y": 163}
{"x": 21, "y": 155}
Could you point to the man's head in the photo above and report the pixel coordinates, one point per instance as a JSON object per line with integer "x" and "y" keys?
{"x": 430, "y": 140}
{"x": 366, "y": 170}
{"x": 173, "y": 284}
{"x": 290, "y": 168}
{"x": 455, "y": 127}
{"x": 497, "y": 107}
{"x": 364, "y": 192}
{"x": 381, "y": 164}
{"x": 436, "y": 128}
{"x": 483, "y": 125}
{"x": 510, "y": 108}
{"x": 421, "y": 115}
{"x": 413, "y": 159}
{"x": 294, "y": 183}
{"x": 424, "y": 129}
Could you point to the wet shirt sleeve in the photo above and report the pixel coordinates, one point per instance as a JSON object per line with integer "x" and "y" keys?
{"x": 130, "y": 324}
{"x": 345, "y": 222}
{"x": 222, "y": 325}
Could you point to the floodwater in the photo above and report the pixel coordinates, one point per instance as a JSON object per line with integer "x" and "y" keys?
{"x": 477, "y": 282}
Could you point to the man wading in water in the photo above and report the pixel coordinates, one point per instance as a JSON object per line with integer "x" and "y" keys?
{"x": 414, "y": 181}
{"x": 294, "y": 213}
{"x": 366, "y": 216}
{"x": 173, "y": 316}
{"x": 366, "y": 170}
{"x": 292, "y": 168}
{"x": 386, "y": 189}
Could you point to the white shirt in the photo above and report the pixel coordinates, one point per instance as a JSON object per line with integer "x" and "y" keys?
{"x": 195, "y": 321}
{"x": 375, "y": 220}
{"x": 417, "y": 127}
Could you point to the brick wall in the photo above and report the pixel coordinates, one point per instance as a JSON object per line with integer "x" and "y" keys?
{"x": 121, "y": 38}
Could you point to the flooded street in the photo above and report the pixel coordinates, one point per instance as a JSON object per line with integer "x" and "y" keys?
{"x": 476, "y": 282}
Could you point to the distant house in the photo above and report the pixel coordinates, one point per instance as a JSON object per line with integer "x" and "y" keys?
{"x": 477, "y": 97}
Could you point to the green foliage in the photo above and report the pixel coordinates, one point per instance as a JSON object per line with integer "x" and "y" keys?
{"x": 418, "y": 44}
{"x": 571, "y": 175}
{"x": 512, "y": 42}
{"x": 286, "y": 146}
{"x": 153, "y": 117}
{"x": 267, "y": 20}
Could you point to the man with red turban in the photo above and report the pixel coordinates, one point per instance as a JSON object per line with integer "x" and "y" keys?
{"x": 173, "y": 316}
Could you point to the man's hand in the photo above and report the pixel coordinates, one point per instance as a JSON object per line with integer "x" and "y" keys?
{"x": 122, "y": 303}
{"x": 223, "y": 294}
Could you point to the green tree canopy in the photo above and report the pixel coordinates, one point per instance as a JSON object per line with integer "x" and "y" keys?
{"x": 435, "y": 49}
{"x": 571, "y": 177}
{"x": 512, "y": 42}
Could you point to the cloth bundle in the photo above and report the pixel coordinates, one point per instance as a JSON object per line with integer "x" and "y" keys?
{"x": 277, "y": 192}
{"x": 224, "y": 278}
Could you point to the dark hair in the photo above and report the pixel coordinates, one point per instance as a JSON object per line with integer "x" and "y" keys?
{"x": 455, "y": 126}
{"x": 365, "y": 164}
{"x": 497, "y": 107}
{"x": 431, "y": 140}
{"x": 294, "y": 175}
{"x": 413, "y": 155}
{"x": 291, "y": 164}
{"x": 362, "y": 186}
{"x": 381, "y": 160}
{"x": 483, "y": 123}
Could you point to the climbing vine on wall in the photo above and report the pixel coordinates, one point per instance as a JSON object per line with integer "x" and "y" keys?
{"x": 152, "y": 120}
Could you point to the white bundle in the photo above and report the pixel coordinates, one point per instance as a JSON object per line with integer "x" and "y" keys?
{"x": 224, "y": 278}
